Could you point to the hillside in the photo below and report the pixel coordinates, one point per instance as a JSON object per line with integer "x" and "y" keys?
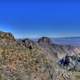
{"x": 25, "y": 59}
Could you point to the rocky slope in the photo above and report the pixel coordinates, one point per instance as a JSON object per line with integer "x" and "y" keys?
{"x": 66, "y": 56}
{"x": 25, "y": 59}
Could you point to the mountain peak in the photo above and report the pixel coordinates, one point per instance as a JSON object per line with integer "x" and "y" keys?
{"x": 44, "y": 40}
{"x": 6, "y": 35}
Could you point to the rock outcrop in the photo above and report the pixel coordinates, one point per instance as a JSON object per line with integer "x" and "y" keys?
{"x": 71, "y": 63}
{"x": 7, "y": 39}
{"x": 44, "y": 40}
{"x": 26, "y": 43}
{"x": 6, "y": 36}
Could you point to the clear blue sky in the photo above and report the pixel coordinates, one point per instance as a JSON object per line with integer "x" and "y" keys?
{"x": 40, "y": 18}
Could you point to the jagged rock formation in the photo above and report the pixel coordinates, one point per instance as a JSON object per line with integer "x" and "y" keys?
{"x": 28, "y": 60}
{"x": 70, "y": 62}
{"x": 26, "y": 43}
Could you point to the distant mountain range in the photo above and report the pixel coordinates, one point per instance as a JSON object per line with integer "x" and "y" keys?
{"x": 75, "y": 41}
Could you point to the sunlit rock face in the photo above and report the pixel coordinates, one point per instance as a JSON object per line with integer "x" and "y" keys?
{"x": 70, "y": 62}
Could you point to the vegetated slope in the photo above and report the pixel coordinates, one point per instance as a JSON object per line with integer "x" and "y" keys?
{"x": 27, "y": 60}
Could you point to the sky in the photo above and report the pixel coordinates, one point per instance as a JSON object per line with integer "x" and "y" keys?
{"x": 40, "y": 18}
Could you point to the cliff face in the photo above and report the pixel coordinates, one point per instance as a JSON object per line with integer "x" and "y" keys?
{"x": 25, "y": 59}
